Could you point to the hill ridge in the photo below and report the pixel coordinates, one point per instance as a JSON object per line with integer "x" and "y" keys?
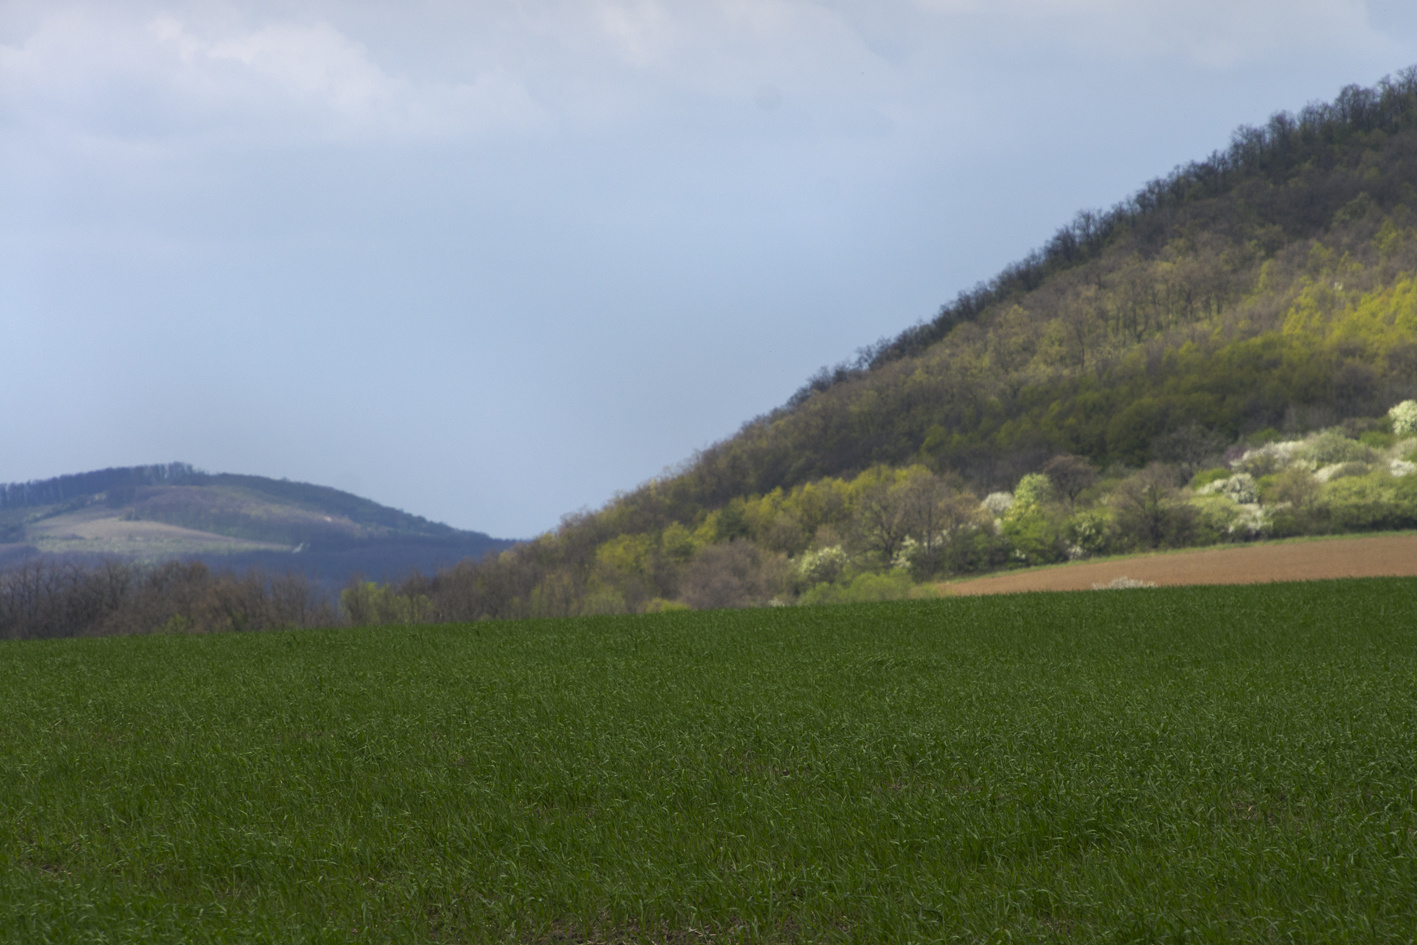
{"x": 160, "y": 512}
{"x": 1285, "y": 142}
{"x": 1115, "y": 389}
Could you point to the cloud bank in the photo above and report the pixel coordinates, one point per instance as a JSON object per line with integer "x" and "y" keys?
{"x": 316, "y": 72}
{"x": 492, "y": 261}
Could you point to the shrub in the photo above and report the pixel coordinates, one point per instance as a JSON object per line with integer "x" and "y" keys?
{"x": 46, "y": 599}
{"x": 1404, "y": 418}
{"x": 1269, "y": 458}
{"x": 1378, "y": 439}
{"x": 1033, "y": 490}
{"x": 1220, "y": 518}
{"x": 1374, "y": 501}
{"x": 822, "y": 566}
{"x": 997, "y": 503}
{"x": 1123, "y": 583}
{"x": 1340, "y": 470}
{"x": 1034, "y": 538}
{"x": 864, "y": 588}
{"x": 1090, "y": 532}
{"x": 1294, "y": 487}
{"x": 1331, "y": 447}
{"x": 1240, "y": 488}
{"x": 1207, "y": 476}
{"x": 659, "y": 605}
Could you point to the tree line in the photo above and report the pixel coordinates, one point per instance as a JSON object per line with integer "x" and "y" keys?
{"x": 82, "y": 485}
{"x": 47, "y": 598}
{"x": 888, "y": 532}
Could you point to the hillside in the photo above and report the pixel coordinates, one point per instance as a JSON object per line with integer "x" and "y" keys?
{"x": 1225, "y": 355}
{"x": 155, "y": 513}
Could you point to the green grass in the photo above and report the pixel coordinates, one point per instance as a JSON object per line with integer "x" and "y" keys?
{"x": 1182, "y": 764}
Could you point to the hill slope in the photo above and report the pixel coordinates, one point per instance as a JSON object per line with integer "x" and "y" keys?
{"x": 153, "y": 513}
{"x": 1269, "y": 291}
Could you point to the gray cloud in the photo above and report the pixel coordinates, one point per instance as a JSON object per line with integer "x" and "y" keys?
{"x": 500, "y": 259}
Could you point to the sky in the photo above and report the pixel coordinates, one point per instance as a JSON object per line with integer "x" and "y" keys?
{"x": 492, "y": 262}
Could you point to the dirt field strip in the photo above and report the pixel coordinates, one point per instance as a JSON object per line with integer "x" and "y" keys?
{"x": 1372, "y": 556}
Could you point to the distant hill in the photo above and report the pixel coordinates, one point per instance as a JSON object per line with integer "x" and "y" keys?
{"x": 174, "y": 511}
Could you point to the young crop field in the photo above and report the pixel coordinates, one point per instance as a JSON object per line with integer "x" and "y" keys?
{"x": 1175, "y": 764}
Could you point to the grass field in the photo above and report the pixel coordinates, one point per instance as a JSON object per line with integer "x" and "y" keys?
{"x": 1179, "y": 764}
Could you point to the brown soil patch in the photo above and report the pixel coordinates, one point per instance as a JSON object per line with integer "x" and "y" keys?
{"x": 1376, "y": 556}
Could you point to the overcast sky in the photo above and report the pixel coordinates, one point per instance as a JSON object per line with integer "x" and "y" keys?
{"x": 490, "y": 262}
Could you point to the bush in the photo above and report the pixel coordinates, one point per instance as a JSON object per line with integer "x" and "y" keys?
{"x": 1269, "y": 458}
{"x": 1240, "y": 488}
{"x": 1207, "y": 476}
{"x": 1090, "y": 532}
{"x": 1034, "y": 538}
{"x": 823, "y": 566}
{"x": 864, "y": 588}
{"x": 1372, "y": 502}
{"x": 1221, "y": 518}
{"x": 659, "y": 605}
{"x": 1034, "y": 490}
{"x": 1331, "y": 447}
{"x": 1378, "y": 439}
{"x": 1404, "y": 418}
{"x": 997, "y": 503}
{"x": 972, "y": 548}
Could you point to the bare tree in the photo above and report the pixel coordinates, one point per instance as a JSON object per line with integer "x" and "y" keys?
{"x": 1150, "y": 511}
{"x": 932, "y": 509}
{"x": 882, "y": 522}
{"x": 1190, "y": 448}
{"x": 1070, "y": 475}
{"x": 734, "y": 574}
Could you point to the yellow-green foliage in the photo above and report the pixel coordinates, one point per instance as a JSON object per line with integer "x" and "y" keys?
{"x": 678, "y": 543}
{"x": 789, "y": 521}
{"x": 371, "y": 604}
{"x": 625, "y": 555}
{"x": 659, "y": 606}
{"x": 864, "y": 588}
{"x": 1373, "y": 501}
{"x": 1376, "y": 322}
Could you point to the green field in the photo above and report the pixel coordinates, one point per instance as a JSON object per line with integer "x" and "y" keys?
{"x": 1187, "y": 764}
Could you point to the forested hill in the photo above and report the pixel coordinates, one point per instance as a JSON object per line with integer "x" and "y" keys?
{"x": 154, "y": 513}
{"x": 1267, "y": 286}
{"x": 1263, "y": 294}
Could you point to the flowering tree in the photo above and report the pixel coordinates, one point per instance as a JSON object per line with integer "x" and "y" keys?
{"x": 1404, "y": 417}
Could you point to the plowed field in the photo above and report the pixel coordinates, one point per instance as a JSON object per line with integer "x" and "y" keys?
{"x": 1373, "y": 556}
